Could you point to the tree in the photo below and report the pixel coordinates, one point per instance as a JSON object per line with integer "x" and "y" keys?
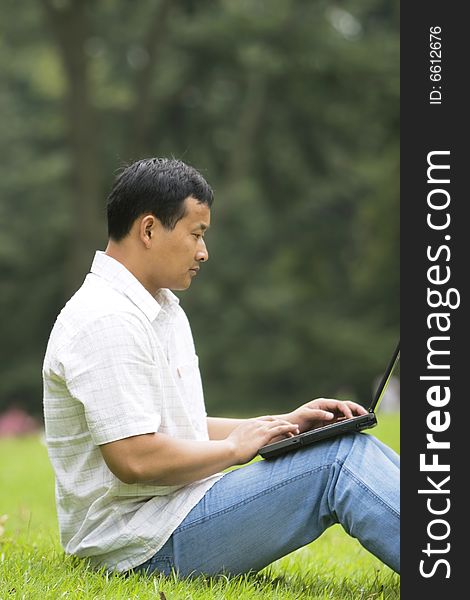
{"x": 291, "y": 111}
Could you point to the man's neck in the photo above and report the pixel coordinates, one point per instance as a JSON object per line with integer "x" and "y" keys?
{"x": 124, "y": 253}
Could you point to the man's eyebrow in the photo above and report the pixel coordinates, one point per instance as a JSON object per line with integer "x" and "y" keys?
{"x": 202, "y": 226}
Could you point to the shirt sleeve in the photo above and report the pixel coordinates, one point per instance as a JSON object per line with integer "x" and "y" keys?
{"x": 113, "y": 371}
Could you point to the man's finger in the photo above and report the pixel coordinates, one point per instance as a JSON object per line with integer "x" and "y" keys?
{"x": 325, "y": 414}
{"x": 337, "y": 406}
{"x": 356, "y": 408}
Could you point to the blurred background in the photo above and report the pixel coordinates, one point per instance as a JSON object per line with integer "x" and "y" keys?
{"x": 289, "y": 108}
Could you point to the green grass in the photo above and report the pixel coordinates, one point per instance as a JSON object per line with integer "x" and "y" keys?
{"x": 34, "y": 567}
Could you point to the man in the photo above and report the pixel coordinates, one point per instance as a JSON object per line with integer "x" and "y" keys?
{"x": 137, "y": 461}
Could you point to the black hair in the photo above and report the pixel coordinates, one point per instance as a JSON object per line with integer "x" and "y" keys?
{"x": 154, "y": 185}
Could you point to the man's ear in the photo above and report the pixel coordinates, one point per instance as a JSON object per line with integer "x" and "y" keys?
{"x": 147, "y": 229}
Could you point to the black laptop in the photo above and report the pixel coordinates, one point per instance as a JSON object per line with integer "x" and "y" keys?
{"x": 344, "y": 426}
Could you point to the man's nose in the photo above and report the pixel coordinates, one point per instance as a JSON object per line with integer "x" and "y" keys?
{"x": 202, "y": 255}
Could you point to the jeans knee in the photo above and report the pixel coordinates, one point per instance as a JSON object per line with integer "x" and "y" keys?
{"x": 357, "y": 451}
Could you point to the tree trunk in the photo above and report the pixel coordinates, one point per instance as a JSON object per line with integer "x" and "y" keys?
{"x": 70, "y": 27}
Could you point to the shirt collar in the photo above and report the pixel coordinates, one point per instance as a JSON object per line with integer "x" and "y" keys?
{"x": 123, "y": 281}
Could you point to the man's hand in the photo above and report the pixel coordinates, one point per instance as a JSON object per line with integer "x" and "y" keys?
{"x": 248, "y": 437}
{"x": 323, "y": 411}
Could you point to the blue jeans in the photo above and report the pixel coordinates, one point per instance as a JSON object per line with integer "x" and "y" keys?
{"x": 256, "y": 514}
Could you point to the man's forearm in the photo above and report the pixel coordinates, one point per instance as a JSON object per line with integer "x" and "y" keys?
{"x": 164, "y": 460}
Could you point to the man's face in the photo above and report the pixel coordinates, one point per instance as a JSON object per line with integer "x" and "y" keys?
{"x": 175, "y": 255}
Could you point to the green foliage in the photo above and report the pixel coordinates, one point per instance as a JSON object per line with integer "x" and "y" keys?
{"x": 290, "y": 109}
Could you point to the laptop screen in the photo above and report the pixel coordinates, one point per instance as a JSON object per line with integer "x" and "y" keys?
{"x": 385, "y": 378}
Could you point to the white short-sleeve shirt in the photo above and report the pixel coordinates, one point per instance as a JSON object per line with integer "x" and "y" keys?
{"x": 119, "y": 363}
